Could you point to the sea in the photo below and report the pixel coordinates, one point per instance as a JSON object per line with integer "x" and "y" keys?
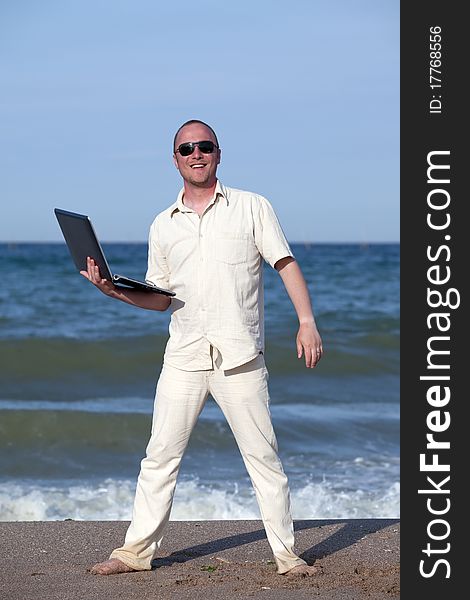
{"x": 77, "y": 382}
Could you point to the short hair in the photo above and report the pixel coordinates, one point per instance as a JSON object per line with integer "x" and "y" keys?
{"x": 191, "y": 122}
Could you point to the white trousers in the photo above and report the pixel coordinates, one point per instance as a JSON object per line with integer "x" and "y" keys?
{"x": 242, "y": 394}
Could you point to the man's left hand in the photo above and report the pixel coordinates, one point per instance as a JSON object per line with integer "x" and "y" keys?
{"x": 309, "y": 343}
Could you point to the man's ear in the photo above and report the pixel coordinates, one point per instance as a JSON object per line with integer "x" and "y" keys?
{"x": 175, "y": 161}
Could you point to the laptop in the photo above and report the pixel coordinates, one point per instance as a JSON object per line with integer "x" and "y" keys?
{"x": 82, "y": 242}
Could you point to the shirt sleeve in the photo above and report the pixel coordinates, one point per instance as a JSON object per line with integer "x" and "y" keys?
{"x": 158, "y": 272}
{"x": 269, "y": 236}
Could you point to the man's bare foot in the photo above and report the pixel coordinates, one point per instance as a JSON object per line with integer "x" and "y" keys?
{"x": 303, "y": 570}
{"x": 113, "y": 566}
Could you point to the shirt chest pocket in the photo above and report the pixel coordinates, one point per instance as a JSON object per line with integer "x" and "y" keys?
{"x": 233, "y": 248}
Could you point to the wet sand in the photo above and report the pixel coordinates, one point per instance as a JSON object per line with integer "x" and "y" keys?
{"x": 358, "y": 559}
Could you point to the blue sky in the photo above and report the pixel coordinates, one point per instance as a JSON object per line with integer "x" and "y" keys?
{"x": 304, "y": 96}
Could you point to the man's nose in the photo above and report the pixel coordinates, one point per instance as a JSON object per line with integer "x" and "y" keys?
{"x": 197, "y": 153}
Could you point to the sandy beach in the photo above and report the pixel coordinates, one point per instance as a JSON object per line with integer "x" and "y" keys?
{"x": 358, "y": 558}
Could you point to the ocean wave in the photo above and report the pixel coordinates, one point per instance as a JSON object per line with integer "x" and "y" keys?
{"x": 62, "y": 368}
{"x": 61, "y": 443}
{"x": 111, "y": 499}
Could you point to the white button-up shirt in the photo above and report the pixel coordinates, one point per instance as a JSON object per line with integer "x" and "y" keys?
{"x": 213, "y": 263}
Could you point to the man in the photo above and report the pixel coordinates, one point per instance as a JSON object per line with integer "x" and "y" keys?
{"x": 208, "y": 247}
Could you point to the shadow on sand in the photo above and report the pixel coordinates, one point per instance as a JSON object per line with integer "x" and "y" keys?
{"x": 352, "y": 531}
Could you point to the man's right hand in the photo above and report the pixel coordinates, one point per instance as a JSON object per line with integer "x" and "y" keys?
{"x": 94, "y": 276}
{"x": 138, "y": 298}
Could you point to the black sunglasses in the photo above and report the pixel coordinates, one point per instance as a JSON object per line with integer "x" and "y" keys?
{"x": 186, "y": 149}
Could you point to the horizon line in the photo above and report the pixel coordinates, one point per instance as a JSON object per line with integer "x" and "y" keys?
{"x": 301, "y": 242}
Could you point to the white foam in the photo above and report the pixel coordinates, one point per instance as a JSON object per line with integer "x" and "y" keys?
{"x": 112, "y": 500}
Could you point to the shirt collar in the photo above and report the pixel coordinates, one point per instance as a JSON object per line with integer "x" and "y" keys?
{"x": 178, "y": 206}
